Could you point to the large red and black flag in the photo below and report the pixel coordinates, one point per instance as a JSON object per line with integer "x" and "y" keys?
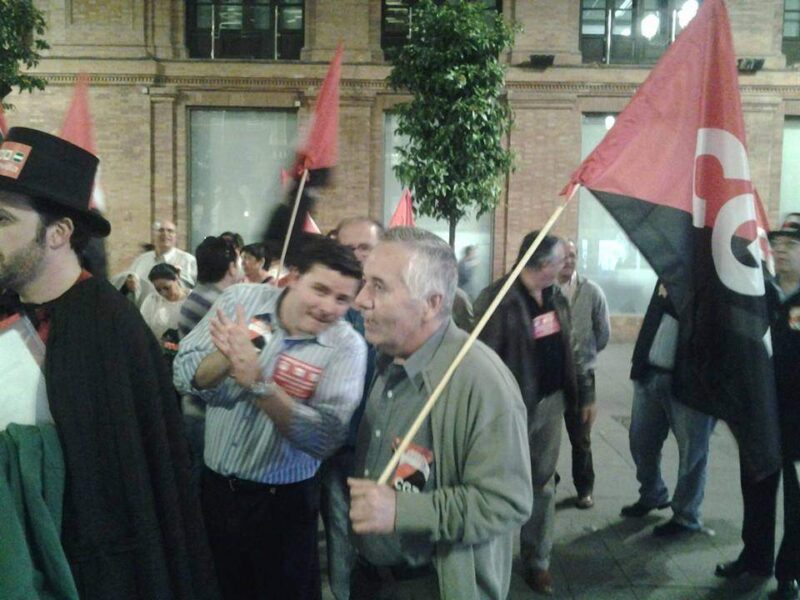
{"x": 673, "y": 171}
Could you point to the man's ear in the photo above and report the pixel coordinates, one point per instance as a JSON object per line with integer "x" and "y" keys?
{"x": 433, "y": 306}
{"x": 59, "y": 233}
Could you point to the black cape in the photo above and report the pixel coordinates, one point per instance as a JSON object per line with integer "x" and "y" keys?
{"x": 132, "y": 529}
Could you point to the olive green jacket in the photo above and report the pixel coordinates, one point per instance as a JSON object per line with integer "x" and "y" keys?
{"x": 32, "y": 561}
{"x": 483, "y": 487}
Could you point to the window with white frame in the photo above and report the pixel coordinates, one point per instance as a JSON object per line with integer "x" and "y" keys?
{"x": 235, "y": 161}
{"x": 469, "y": 232}
{"x": 605, "y": 253}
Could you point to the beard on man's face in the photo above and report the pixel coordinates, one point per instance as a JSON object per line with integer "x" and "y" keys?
{"x": 23, "y": 266}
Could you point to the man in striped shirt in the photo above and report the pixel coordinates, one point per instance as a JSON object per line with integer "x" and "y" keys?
{"x": 272, "y": 415}
{"x": 217, "y": 269}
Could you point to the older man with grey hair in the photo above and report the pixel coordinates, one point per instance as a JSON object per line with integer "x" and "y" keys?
{"x": 165, "y": 251}
{"x": 443, "y": 527}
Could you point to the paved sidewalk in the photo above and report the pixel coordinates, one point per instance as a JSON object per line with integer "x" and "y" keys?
{"x": 599, "y": 555}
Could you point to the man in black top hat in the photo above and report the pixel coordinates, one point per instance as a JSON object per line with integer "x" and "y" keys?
{"x": 131, "y": 528}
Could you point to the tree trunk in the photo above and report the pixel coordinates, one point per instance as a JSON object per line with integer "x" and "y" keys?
{"x": 453, "y": 223}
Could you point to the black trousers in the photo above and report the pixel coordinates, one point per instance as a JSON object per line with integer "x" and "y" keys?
{"x": 263, "y": 537}
{"x": 787, "y": 565}
{"x": 758, "y": 528}
{"x": 580, "y": 437}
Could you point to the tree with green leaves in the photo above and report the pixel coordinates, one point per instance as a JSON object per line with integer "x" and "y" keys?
{"x": 21, "y": 28}
{"x": 456, "y": 123}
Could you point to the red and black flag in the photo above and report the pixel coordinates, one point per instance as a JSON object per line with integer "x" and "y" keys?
{"x": 674, "y": 172}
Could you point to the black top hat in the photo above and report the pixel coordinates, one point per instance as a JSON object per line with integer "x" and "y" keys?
{"x": 790, "y": 228}
{"x": 49, "y": 168}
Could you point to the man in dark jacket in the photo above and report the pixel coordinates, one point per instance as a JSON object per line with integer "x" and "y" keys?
{"x": 760, "y": 497}
{"x": 131, "y": 529}
{"x": 656, "y": 411}
{"x": 530, "y": 331}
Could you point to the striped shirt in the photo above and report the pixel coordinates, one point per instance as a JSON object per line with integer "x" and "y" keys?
{"x": 197, "y": 304}
{"x": 241, "y": 440}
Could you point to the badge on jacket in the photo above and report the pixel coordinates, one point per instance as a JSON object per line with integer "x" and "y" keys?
{"x": 297, "y": 378}
{"x": 546, "y": 324}
{"x": 260, "y": 330}
{"x": 794, "y": 318}
{"x": 414, "y": 468}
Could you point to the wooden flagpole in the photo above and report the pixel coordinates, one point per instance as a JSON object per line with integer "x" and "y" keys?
{"x": 512, "y": 277}
{"x": 291, "y": 222}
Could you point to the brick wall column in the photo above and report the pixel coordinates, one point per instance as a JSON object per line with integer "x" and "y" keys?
{"x": 547, "y": 28}
{"x": 163, "y": 165}
{"x": 764, "y": 119}
{"x": 351, "y": 21}
{"x": 546, "y": 142}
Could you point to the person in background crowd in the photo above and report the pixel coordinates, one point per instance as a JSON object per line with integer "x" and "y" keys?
{"x": 591, "y": 328}
{"x": 531, "y": 332}
{"x": 656, "y": 410}
{"x": 272, "y": 416}
{"x": 444, "y": 526}
{"x": 131, "y": 529}
{"x": 217, "y": 270}
{"x": 760, "y": 498}
{"x": 236, "y": 239}
{"x": 256, "y": 262}
{"x": 164, "y": 238}
{"x": 361, "y": 235}
{"x": 161, "y": 311}
{"x": 466, "y": 270}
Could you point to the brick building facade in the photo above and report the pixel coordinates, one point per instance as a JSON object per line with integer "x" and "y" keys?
{"x": 144, "y": 84}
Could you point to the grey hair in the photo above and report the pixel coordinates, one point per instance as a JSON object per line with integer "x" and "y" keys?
{"x": 432, "y": 267}
{"x": 353, "y": 220}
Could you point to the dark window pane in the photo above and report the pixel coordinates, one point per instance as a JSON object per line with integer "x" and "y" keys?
{"x": 622, "y": 23}
{"x": 792, "y": 5}
{"x": 396, "y": 20}
{"x": 204, "y": 15}
{"x": 291, "y": 19}
{"x": 262, "y": 18}
{"x": 594, "y": 22}
{"x": 230, "y": 17}
{"x": 791, "y": 28}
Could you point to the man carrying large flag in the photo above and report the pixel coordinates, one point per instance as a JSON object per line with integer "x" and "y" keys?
{"x": 674, "y": 173}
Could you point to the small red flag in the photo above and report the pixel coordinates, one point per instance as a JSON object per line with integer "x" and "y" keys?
{"x": 321, "y": 147}
{"x": 404, "y": 213}
{"x": 78, "y": 128}
{"x": 309, "y": 226}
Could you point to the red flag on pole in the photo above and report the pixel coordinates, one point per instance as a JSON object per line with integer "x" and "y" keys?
{"x": 309, "y": 226}
{"x": 673, "y": 171}
{"x": 321, "y": 147}
{"x": 404, "y": 213}
{"x": 78, "y": 128}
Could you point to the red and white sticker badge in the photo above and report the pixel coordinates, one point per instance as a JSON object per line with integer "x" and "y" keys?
{"x": 414, "y": 468}
{"x": 297, "y": 378}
